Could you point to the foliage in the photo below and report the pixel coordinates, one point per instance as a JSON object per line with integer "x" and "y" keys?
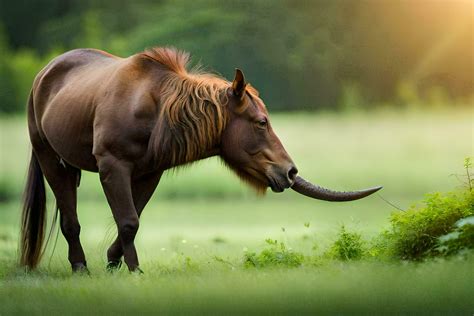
{"x": 17, "y": 71}
{"x": 459, "y": 240}
{"x": 348, "y": 246}
{"x": 7, "y": 85}
{"x": 277, "y": 254}
{"x": 430, "y": 229}
{"x": 299, "y": 54}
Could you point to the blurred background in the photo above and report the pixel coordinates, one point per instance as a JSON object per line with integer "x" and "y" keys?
{"x": 362, "y": 93}
{"x": 302, "y": 55}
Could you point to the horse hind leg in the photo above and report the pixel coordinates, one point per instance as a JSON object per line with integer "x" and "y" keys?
{"x": 63, "y": 180}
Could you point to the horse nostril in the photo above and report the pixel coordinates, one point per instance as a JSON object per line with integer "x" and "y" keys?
{"x": 292, "y": 173}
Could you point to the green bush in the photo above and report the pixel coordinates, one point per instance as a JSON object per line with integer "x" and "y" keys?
{"x": 348, "y": 246}
{"x": 415, "y": 233}
{"x": 458, "y": 241}
{"x": 276, "y": 255}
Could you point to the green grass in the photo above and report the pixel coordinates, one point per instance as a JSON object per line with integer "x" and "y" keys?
{"x": 369, "y": 288}
{"x": 201, "y": 220}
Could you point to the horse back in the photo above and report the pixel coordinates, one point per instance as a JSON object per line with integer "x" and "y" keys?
{"x": 77, "y": 94}
{"x": 64, "y": 71}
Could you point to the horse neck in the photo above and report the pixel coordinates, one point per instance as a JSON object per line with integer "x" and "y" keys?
{"x": 194, "y": 136}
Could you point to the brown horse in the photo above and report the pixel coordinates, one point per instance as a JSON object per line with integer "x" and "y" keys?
{"x": 130, "y": 119}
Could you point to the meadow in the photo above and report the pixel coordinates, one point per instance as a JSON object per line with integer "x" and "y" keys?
{"x": 201, "y": 221}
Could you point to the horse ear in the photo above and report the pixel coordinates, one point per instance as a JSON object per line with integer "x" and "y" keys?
{"x": 238, "y": 85}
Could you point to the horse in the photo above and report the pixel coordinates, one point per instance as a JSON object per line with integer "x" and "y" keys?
{"x": 130, "y": 119}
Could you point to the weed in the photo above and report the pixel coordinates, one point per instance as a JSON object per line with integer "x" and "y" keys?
{"x": 223, "y": 261}
{"x": 348, "y": 246}
{"x": 275, "y": 255}
{"x": 467, "y": 167}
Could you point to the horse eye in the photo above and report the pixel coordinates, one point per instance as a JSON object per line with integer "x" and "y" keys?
{"x": 262, "y": 123}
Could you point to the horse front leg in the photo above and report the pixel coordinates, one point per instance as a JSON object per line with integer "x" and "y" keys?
{"x": 115, "y": 176}
{"x": 142, "y": 190}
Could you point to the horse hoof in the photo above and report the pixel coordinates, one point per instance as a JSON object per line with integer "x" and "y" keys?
{"x": 80, "y": 268}
{"x": 137, "y": 271}
{"x": 113, "y": 266}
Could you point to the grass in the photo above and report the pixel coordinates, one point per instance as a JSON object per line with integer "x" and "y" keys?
{"x": 195, "y": 231}
{"x": 370, "y": 288}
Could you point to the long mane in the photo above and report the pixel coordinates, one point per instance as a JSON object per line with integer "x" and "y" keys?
{"x": 193, "y": 113}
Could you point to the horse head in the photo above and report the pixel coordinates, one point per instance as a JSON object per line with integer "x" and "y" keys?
{"x": 251, "y": 148}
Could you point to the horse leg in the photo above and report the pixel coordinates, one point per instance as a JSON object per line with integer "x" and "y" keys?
{"x": 142, "y": 190}
{"x": 115, "y": 176}
{"x": 63, "y": 180}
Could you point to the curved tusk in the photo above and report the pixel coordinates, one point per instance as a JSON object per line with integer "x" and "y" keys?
{"x": 316, "y": 192}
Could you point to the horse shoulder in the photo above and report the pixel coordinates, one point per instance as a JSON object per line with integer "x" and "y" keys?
{"x": 125, "y": 119}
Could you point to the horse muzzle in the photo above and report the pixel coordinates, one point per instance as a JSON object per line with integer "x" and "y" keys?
{"x": 284, "y": 179}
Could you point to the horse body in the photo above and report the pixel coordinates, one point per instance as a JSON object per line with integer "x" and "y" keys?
{"x": 87, "y": 102}
{"x": 89, "y": 110}
{"x": 130, "y": 119}
{"x": 86, "y": 109}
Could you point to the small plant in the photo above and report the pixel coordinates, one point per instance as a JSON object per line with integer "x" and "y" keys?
{"x": 223, "y": 261}
{"x": 348, "y": 246}
{"x": 467, "y": 166}
{"x": 184, "y": 263}
{"x": 275, "y": 255}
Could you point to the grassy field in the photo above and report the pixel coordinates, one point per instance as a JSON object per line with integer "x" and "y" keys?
{"x": 194, "y": 232}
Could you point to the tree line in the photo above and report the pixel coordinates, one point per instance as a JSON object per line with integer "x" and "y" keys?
{"x": 301, "y": 55}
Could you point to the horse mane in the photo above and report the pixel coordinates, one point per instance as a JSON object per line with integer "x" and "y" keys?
{"x": 193, "y": 113}
{"x": 174, "y": 59}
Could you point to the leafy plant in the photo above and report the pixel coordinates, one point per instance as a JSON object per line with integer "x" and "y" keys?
{"x": 415, "y": 233}
{"x": 348, "y": 246}
{"x": 458, "y": 241}
{"x": 442, "y": 225}
{"x": 275, "y": 255}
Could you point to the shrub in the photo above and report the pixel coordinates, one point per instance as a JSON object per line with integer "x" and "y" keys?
{"x": 458, "y": 241}
{"x": 415, "y": 233}
{"x": 276, "y": 255}
{"x": 348, "y": 246}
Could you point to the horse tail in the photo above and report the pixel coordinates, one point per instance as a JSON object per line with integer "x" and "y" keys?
{"x": 33, "y": 216}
